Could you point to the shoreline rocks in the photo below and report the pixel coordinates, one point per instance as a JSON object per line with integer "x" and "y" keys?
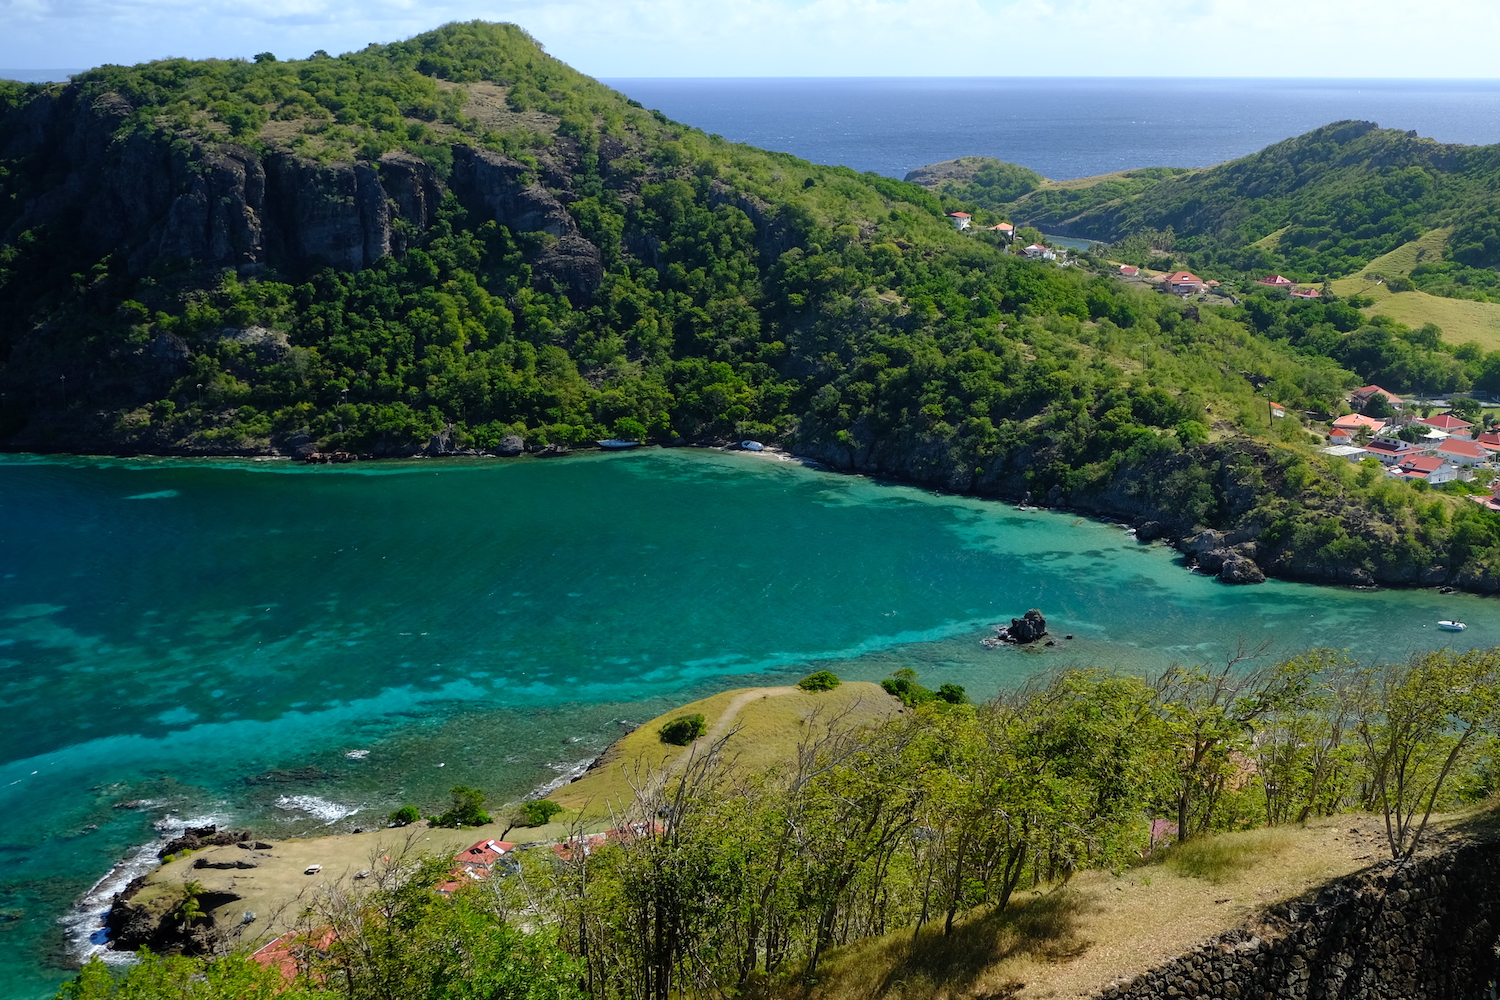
{"x": 1029, "y": 628}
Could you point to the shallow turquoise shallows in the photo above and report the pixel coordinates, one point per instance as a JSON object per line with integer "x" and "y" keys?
{"x": 187, "y": 640}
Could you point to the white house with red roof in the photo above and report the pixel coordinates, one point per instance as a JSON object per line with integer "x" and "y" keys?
{"x": 1129, "y": 271}
{"x": 476, "y": 863}
{"x": 1429, "y": 468}
{"x": 1489, "y": 440}
{"x": 1276, "y": 281}
{"x": 1349, "y": 424}
{"x": 961, "y": 220}
{"x": 1462, "y": 453}
{"x": 1391, "y": 450}
{"x": 1038, "y": 252}
{"x": 1004, "y": 229}
{"x": 1182, "y": 283}
{"x": 1306, "y": 293}
{"x": 1359, "y": 397}
{"x": 1450, "y": 425}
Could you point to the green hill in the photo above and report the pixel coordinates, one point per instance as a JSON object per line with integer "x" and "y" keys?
{"x": 458, "y": 244}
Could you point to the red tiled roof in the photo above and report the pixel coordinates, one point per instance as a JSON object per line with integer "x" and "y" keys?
{"x": 1307, "y": 293}
{"x": 1277, "y": 280}
{"x": 1445, "y": 422}
{"x": 1183, "y": 278}
{"x": 1490, "y": 439}
{"x": 1422, "y": 463}
{"x": 1004, "y": 226}
{"x": 1128, "y": 270}
{"x": 1369, "y": 390}
{"x": 1353, "y": 420}
{"x": 959, "y": 215}
{"x": 1468, "y": 449}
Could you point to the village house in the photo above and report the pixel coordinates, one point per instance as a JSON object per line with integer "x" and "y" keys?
{"x": 1277, "y": 410}
{"x": 1352, "y": 452}
{"x": 1348, "y": 425}
{"x": 1306, "y": 293}
{"x": 1276, "y": 281}
{"x": 1038, "y": 252}
{"x": 1450, "y": 425}
{"x": 1182, "y": 283}
{"x": 476, "y": 863}
{"x": 1428, "y": 468}
{"x": 1359, "y": 397}
{"x": 1462, "y": 453}
{"x": 1004, "y": 229}
{"x": 1391, "y": 449}
{"x": 1129, "y": 271}
{"x": 1489, "y": 440}
{"x": 960, "y": 220}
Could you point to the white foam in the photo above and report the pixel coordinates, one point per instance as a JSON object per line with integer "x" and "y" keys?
{"x": 83, "y": 926}
{"x": 319, "y": 808}
{"x": 565, "y": 773}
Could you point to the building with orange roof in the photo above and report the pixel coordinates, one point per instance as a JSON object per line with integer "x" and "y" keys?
{"x": 1182, "y": 283}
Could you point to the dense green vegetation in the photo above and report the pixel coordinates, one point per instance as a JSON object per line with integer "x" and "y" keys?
{"x": 740, "y": 293}
{"x": 721, "y": 882}
{"x": 1314, "y": 207}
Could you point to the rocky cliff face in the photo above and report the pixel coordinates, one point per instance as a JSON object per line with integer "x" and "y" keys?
{"x": 1424, "y": 929}
{"x": 164, "y": 203}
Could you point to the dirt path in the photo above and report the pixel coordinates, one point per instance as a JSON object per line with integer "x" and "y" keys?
{"x": 720, "y": 728}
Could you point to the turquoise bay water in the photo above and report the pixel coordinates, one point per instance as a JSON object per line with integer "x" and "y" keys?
{"x": 213, "y": 639}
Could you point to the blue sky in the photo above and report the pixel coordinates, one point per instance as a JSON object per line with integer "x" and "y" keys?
{"x": 634, "y": 38}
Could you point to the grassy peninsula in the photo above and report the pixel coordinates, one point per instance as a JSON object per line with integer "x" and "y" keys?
{"x": 457, "y": 244}
{"x": 1072, "y": 832}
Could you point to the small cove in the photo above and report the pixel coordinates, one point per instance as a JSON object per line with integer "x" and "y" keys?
{"x": 214, "y": 639}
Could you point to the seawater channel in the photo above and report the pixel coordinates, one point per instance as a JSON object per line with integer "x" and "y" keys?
{"x": 187, "y": 640}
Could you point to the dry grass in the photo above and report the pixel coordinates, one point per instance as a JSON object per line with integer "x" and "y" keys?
{"x": 1225, "y": 858}
{"x": 1074, "y": 941}
{"x": 1462, "y": 320}
{"x": 767, "y": 725}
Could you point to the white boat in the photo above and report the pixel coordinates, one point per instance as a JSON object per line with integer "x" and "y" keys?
{"x": 752, "y": 446}
{"x": 617, "y": 444}
{"x": 1452, "y": 626}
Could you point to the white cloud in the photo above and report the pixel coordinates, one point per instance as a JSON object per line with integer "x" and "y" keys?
{"x": 1327, "y": 38}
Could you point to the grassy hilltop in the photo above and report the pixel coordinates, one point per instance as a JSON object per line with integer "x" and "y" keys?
{"x": 457, "y": 243}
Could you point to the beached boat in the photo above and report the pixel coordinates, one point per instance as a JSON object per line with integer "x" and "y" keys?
{"x": 617, "y": 444}
{"x": 752, "y": 446}
{"x": 1452, "y": 626}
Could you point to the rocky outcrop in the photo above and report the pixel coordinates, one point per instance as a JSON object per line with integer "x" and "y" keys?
{"x": 1028, "y": 628}
{"x": 197, "y": 838}
{"x": 1408, "y": 931}
{"x": 159, "y": 200}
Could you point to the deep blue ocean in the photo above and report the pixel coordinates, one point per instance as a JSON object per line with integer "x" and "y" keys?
{"x": 1059, "y": 127}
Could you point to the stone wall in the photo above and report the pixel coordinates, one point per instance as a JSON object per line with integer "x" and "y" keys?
{"x": 1413, "y": 931}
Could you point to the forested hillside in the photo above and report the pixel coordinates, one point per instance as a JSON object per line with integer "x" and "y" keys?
{"x": 1316, "y": 206}
{"x": 458, "y": 244}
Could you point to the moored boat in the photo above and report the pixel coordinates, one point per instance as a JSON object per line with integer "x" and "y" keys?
{"x": 752, "y": 446}
{"x": 1452, "y": 626}
{"x": 617, "y": 444}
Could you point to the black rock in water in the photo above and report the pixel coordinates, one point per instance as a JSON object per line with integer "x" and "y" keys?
{"x": 1028, "y": 628}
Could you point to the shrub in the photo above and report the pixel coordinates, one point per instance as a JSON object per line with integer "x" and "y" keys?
{"x": 539, "y": 812}
{"x": 823, "y": 680}
{"x": 684, "y": 730}
{"x": 903, "y": 685}
{"x": 467, "y": 809}
{"x": 953, "y": 694}
{"x": 405, "y": 816}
